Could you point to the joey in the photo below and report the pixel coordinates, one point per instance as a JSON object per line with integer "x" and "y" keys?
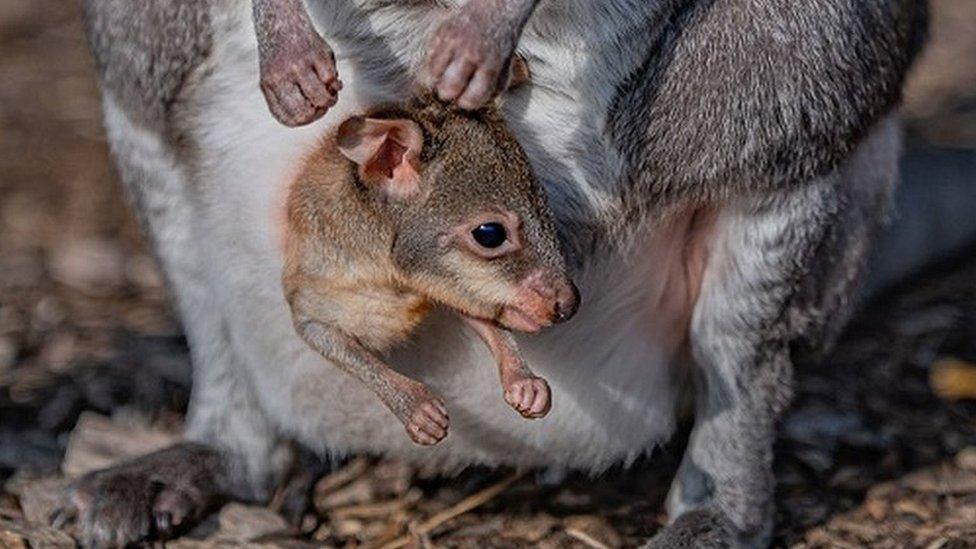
{"x": 413, "y": 206}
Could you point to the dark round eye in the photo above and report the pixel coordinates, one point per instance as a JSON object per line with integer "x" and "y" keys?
{"x": 490, "y": 235}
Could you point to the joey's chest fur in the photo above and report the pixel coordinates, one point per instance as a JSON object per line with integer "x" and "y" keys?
{"x": 336, "y": 264}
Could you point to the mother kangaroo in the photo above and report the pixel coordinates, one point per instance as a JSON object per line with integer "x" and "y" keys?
{"x": 717, "y": 168}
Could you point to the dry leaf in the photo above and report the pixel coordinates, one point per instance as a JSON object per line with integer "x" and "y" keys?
{"x": 98, "y": 442}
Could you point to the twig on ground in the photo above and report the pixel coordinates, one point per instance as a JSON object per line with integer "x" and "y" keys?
{"x": 467, "y": 504}
{"x": 587, "y": 539}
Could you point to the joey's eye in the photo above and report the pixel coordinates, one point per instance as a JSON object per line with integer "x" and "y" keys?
{"x": 490, "y": 235}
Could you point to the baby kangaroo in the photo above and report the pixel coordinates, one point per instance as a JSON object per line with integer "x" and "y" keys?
{"x": 416, "y": 205}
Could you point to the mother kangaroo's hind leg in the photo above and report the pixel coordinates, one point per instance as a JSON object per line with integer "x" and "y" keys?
{"x": 148, "y": 54}
{"x": 781, "y": 273}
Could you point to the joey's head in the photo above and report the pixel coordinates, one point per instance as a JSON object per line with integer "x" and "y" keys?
{"x": 473, "y": 230}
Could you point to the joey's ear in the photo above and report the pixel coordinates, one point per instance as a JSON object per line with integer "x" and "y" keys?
{"x": 386, "y": 151}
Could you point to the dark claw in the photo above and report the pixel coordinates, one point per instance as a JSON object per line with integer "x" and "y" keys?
{"x": 164, "y": 523}
{"x": 60, "y": 516}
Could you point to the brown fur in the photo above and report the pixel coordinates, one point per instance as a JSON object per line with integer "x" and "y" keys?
{"x": 363, "y": 266}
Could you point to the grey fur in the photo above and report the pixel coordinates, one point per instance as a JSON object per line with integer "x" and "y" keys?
{"x": 802, "y": 250}
{"x": 772, "y": 112}
{"x": 159, "y": 492}
{"x": 145, "y": 54}
{"x": 762, "y": 94}
{"x": 146, "y": 59}
{"x": 699, "y": 529}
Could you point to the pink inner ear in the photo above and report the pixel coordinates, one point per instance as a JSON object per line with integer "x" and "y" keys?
{"x": 386, "y": 151}
{"x": 385, "y": 161}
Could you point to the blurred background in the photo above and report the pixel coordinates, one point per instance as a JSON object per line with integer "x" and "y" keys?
{"x": 879, "y": 450}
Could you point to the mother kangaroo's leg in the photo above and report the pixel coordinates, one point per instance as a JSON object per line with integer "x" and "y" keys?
{"x": 148, "y": 57}
{"x": 780, "y": 272}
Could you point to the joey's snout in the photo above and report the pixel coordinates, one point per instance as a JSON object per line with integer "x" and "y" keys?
{"x": 542, "y": 299}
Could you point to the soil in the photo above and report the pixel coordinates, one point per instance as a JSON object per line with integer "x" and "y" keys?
{"x": 879, "y": 449}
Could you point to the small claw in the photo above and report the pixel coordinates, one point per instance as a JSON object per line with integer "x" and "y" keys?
{"x": 455, "y": 78}
{"x": 438, "y": 61}
{"x": 437, "y": 413}
{"x": 164, "y": 523}
{"x": 326, "y": 72}
{"x": 479, "y": 90}
{"x": 60, "y": 517}
{"x": 525, "y": 404}
{"x": 314, "y": 90}
{"x": 428, "y": 426}
{"x": 420, "y": 437}
{"x": 514, "y": 395}
{"x": 541, "y": 404}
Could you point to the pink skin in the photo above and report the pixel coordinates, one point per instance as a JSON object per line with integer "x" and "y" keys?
{"x": 542, "y": 298}
{"x": 527, "y": 393}
{"x": 539, "y": 303}
{"x": 514, "y": 319}
{"x": 424, "y": 416}
{"x": 298, "y": 73}
{"x": 469, "y": 57}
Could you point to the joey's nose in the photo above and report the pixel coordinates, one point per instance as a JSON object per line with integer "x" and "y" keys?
{"x": 567, "y": 302}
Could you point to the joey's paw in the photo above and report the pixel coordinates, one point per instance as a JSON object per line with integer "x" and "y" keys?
{"x": 299, "y": 79}
{"x": 469, "y": 56}
{"x": 701, "y": 529}
{"x": 529, "y": 396}
{"x": 427, "y": 422}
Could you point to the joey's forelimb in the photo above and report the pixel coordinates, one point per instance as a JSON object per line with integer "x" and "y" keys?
{"x": 422, "y": 414}
{"x": 527, "y": 393}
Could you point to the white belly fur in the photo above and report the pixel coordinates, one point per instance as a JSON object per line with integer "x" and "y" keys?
{"x": 612, "y": 368}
